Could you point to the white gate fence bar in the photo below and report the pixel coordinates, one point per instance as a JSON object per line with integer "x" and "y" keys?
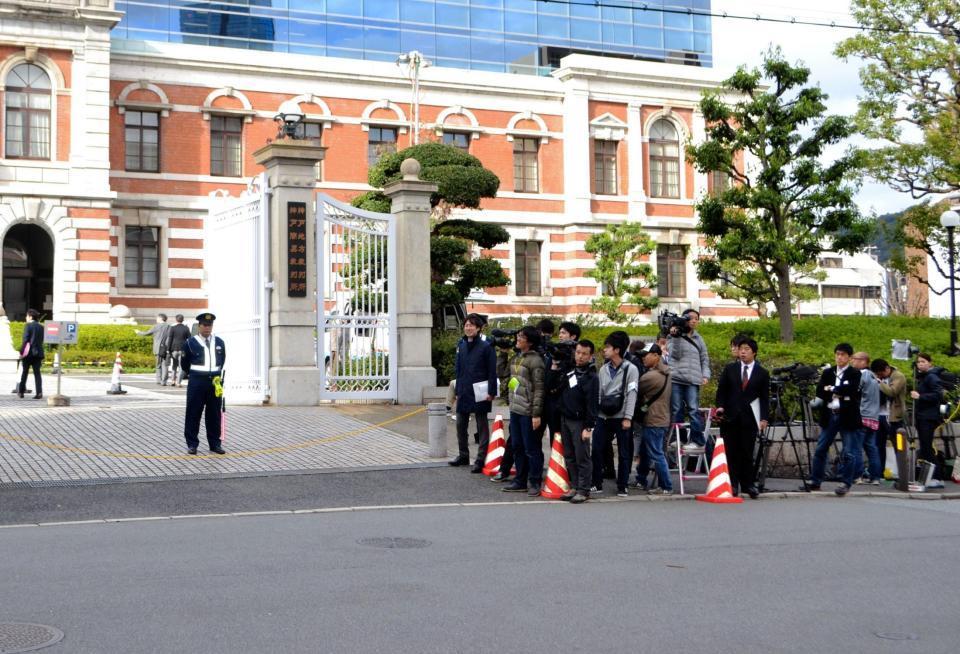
{"x": 356, "y": 303}
{"x": 237, "y": 266}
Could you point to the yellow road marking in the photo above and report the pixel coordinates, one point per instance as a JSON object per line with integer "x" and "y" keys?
{"x": 189, "y": 457}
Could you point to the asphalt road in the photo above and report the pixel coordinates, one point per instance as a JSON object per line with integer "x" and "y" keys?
{"x": 801, "y": 575}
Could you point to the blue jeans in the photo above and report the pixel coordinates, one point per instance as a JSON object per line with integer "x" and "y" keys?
{"x": 851, "y": 467}
{"x": 653, "y": 438}
{"x": 606, "y": 430}
{"x": 686, "y": 398}
{"x": 874, "y": 467}
{"x": 527, "y": 451}
{"x": 827, "y": 436}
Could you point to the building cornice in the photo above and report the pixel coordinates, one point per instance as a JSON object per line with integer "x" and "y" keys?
{"x": 97, "y": 12}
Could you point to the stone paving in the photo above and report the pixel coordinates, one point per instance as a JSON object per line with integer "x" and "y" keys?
{"x": 140, "y": 435}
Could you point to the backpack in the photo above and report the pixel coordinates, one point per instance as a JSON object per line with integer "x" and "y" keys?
{"x": 948, "y": 380}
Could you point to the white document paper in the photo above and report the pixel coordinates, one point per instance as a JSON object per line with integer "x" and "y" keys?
{"x": 755, "y": 406}
{"x": 480, "y": 391}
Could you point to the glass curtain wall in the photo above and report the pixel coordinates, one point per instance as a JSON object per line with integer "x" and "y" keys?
{"x": 517, "y": 36}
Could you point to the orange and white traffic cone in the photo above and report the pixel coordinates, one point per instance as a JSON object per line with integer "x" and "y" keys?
{"x": 496, "y": 448}
{"x": 557, "y": 483}
{"x": 115, "y": 387}
{"x": 719, "y": 490}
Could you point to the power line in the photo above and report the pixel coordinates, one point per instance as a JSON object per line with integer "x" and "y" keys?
{"x": 643, "y": 6}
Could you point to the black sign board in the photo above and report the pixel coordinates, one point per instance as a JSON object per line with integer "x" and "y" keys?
{"x": 296, "y": 249}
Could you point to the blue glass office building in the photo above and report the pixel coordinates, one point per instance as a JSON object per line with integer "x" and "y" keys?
{"x": 518, "y": 36}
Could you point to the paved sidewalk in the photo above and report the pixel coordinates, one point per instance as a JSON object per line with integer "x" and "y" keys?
{"x": 140, "y": 435}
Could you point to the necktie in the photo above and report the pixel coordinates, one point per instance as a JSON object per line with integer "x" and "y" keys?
{"x": 746, "y": 379}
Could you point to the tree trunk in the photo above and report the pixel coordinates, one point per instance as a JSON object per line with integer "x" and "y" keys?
{"x": 784, "y": 310}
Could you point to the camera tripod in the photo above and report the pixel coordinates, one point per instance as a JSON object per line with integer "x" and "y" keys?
{"x": 780, "y": 415}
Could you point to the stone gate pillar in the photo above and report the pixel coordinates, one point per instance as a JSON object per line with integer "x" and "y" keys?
{"x": 410, "y": 198}
{"x": 294, "y": 377}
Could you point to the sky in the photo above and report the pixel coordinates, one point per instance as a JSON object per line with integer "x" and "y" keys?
{"x": 736, "y": 42}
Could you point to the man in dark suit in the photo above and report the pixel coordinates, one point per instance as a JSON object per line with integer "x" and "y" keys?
{"x": 838, "y": 396}
{"x": 31, "y": 353}
{"x": 743, "y": 401}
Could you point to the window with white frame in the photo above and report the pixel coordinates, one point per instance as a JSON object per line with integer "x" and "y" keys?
{"x": 141, "y": 256}
{"x": 605, "y": 167}
{"x": 671, "y": 271}
{"x": 226, "y": 146}
{"x": 28, "y": 113}
{"x": 526, "y": 278}
{"x": 664, "y": 160}
{"x": 526, "y": 167}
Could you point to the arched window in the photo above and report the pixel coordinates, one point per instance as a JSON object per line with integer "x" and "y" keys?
{"x": 664, "y": 160}
{"x": 28, "y": 98}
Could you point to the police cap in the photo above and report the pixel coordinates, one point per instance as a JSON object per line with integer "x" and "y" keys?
{"x": 206, "y": 318}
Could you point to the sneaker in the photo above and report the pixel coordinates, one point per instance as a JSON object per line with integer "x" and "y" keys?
{"x": 874, "y": 482}
{"x": 598, "y": 490}
{"x": 579, "y": 499}
{"x": 514, "y": 487}
{"x": 660, "y": 491}
{"x": 809, "y": 487}
{"x": 534, "y": 491}
{"x": 841, "y": 490}
{"x": 638, "y": 485}
{"x": 500, "y": 478}
{"x": 567, "y": 497}
{"x": 692, "y": 448}
{"x": 862, "y": 480}
{"x": 622, "y": 493}
{"x": 935, "y": 483}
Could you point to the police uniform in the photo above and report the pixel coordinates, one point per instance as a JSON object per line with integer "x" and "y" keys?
{"x": 202, "y": 361}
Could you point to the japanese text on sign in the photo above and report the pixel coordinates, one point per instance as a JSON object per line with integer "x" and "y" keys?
{"x": 296, "y": 249}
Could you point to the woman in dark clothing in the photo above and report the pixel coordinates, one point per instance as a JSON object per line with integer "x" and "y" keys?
{"x": 31, "y": 353}
{"x": 927, "y": 397}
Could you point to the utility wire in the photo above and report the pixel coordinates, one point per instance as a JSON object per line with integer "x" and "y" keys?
{"x": 643, "y": 6}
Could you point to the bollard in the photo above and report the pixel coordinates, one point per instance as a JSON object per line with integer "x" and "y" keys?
{"x": 903, "y": 462}
{"x": 437, "y": 429}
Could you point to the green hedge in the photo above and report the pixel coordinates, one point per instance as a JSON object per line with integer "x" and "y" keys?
{"x": 98, "y": 345}
{"x": 815, "y": 339}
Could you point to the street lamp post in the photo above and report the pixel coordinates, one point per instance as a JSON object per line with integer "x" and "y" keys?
{"x": 950, "y": 220}
{"x": 289, "y": 118}
{"x": 414, "y": 61}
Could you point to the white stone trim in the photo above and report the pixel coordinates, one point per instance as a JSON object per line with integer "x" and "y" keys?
{"x": 401, "y": 121}
{"x": 512, "y": 131}
{"x": 608, "y": 128}
{"x": 123, "y": 104}
{"x": 325, "y": 118}
{"x": 229, "y": 92}
{"x": 473, "y": 128}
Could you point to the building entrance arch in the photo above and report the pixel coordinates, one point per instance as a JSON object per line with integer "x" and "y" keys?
{"x": 27, "y": 271}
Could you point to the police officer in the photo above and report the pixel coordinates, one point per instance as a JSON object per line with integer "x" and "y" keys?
{"x": 202, "y": 359}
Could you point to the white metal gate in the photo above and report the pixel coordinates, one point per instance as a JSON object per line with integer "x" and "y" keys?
{"x": 356, "y": 303}
{"x": 237, "y": 267}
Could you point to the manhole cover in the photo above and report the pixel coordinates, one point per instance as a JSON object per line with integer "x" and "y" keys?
{"x": 26, "y": 637}
{"x": 395, "y": 543}
{"x": 896, "y": 635}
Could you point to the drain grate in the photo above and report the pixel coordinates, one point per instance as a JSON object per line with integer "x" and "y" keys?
{"x": 896, "y": 635}
{"x": 26, "y": 637}
{"x": 395, "y": 543}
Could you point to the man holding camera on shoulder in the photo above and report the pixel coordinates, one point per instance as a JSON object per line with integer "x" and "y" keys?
{"x": 690, "y": 369}
{"x": 558, "y": 358}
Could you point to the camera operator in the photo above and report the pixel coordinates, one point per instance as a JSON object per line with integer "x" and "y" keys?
{"x": 838, "y": 396}
{"x": 558, "y": 358}
{"x": 869, "y": 418}
{"x": 893, "y": 404}
{"x": 476, "y": 363}
{"x": 690, "y": 369}
{"x": 926, "y": 408}
{"x": 618, "y": 396}
{"x": 742, "y": 383}
{"x": 526, "y": 386}
{"x": 653, "y": 414}
{"x": 579, "y": 398}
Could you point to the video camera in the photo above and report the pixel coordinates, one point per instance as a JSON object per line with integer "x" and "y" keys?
{"x": 668, "y": 320}
{"x": 505, "y": 339}
{"x": 796, "y": 373}
{"x": 562, "y": 352}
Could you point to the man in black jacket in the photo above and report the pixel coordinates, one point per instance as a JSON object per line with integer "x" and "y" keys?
{"x": 579, "y": 396}
{"x": 475, "y": 367}
{"x": 838, "y": 396}
{"x": 31, "y": 353}
{"x": 743, "y": 401}
{"x": 176, "y": 337}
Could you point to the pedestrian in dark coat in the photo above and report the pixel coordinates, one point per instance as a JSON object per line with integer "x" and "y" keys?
{"x": 31, "y": 354}
{"x": 476, "y": 362}
{"x": 743, "y": 385}
{"x": 927, "y": 397}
